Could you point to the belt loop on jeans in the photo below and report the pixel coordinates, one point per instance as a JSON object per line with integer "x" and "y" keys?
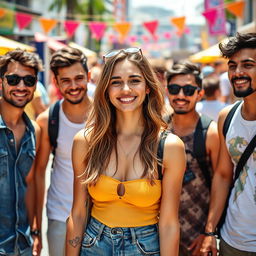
{"x": 100, "y": 231}
{"x": 133, "y": 235}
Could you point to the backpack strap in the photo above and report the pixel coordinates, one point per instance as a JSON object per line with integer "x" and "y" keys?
{"x": 160, "y": 153}
{"x": 199, "y": 147}
{"x": 229, "y": 118}
{"x": 53, "y": 124}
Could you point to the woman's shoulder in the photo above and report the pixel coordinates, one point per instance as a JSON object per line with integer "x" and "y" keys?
{"x": 173, "y": 142}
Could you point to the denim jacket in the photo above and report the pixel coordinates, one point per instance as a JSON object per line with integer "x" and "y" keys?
{"x": 14, "y": 168}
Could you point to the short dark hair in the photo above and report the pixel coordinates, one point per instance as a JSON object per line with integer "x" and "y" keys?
{"x": 66, "y": 57}
{"x": 28, "y": 59}
{"x": 210, "y": 86}
{"x": 237, "y": 43}
{"x": 184, "y": 68}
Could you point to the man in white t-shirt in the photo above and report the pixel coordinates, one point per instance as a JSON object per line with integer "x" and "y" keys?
{"x": 69, "y": 66}
{"x": 211, "y": 106}
{"x": 238, "y": 233}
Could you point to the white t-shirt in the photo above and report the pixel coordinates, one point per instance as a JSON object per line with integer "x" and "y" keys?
{"x": 225, "y": 86}
{"x": 60, "y": 193}
{"x": 239, "y": 229}
{"x": 210, "y": 108}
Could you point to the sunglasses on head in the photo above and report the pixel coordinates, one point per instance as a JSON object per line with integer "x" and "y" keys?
{"x": 188, "y": 89}
{"x": 128, "y": 50}
{"x": 14, "y": 79}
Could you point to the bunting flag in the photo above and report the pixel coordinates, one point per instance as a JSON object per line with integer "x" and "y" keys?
{"x": 167, "y": 35}
{"x": 219, "y": 26}
{"x": 132, "y": 39}
{"x": 71, "y": 27}
{"x": 97, "y": 29}
{"x": 179, "y": 23}
{"x": 23, "y": 20}
{"x": 2, "y": 12}
{"x": 47, "y": 24}
{"x": 236, "y": 8}
{"x": 151, "y": 26}
{"x": 210, "y": 15}
{"x": 145, "y": 38}
{"x": 122, "y": 28}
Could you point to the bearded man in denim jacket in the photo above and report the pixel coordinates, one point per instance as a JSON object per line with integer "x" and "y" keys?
{"x": 18, "y": 136}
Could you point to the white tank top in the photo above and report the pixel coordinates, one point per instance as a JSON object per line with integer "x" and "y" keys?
{"x": 239, "y": 229}
{"x": 60, "y": 193}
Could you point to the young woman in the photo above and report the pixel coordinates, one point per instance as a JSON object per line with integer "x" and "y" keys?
{"x": 115, "y": 163}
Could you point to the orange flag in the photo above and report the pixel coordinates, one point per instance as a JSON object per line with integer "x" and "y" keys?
{"x": 2, "y": 12}
{"x": 47, "y": 24}
{"x": 179, "y": 22}
{"x": 236, "y": 8}
{"x": 122, "y": 28}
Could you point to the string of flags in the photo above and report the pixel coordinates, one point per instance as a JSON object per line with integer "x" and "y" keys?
{"x": 98, "y": 29}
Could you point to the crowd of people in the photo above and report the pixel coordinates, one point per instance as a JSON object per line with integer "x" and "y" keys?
{"x": 146, "y": 161}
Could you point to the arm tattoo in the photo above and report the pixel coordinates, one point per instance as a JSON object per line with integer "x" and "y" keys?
{"x": 75, "y": 242}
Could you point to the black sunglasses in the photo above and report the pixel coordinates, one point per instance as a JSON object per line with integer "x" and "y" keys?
{"x": 14, "y": 79}
{"x": 188, "y": 89}
{"x": 130, "y": 50}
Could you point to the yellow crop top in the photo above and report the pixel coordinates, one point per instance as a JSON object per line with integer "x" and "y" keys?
{"x": 139, "y": 206}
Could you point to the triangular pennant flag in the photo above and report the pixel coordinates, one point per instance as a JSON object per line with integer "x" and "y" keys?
{"x": 23, "y": 20}
{"x": 122, "y": 28}
{"x": 47, "y": 24}
{"x": 179, "y": 22}
{"x": 236, "y": 8}
{"x": 151, "y": 26}
{"x": 145, "y": 38}
{"x": 167, "y": 35}
{"x": 71, "y": 26}
{"x": 97, "y": 29}
{"x": 210, "y": 15}
{"x": 2, "y": 12}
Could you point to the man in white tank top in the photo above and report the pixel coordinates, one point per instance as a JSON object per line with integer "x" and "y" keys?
{"x": 238, "y": 234}
{"x": 69, "y": 67}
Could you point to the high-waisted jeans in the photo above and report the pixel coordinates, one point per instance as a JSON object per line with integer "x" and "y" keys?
{"x": 101, "y": 240}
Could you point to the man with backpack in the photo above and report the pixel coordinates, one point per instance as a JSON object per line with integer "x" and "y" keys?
{"x": 200, "y": 136}
{"x": 59, "y": 124}
{"x": 234, "y": 181}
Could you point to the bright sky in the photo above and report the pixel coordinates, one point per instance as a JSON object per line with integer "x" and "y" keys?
{"x": 181, "y": 7}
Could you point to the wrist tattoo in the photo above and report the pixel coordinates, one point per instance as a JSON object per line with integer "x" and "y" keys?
{"x": 75, "y": 242}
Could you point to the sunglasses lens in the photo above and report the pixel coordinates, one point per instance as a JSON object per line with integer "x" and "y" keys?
{"x": 173, "y": 89}
{"x": 189, "y": 90}
{"x": 111, "y": 54}
{"x": 13, "y": 79}
{"x": 132, "y": 50}
{"x": 29, "y": 80}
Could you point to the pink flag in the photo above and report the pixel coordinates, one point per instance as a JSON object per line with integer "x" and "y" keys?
{"x": 219, "y": 26}
{"x": 167, "y": 35}
{"x": 23, "y": 20}
{"x": 71, "y": 27}
{"x": 97, "y": 29}
{"x": 132, "y": 39}
{"x": 145, "y": 38}
{"x": 151, "y": 26}
{"x": 210, "y": 15}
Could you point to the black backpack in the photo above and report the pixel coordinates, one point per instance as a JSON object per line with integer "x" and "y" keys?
{"x": 53, "y": 124}
{"x": 199, "y": 148}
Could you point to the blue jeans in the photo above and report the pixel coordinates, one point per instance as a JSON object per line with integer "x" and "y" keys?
{"x": 102, "y": 240}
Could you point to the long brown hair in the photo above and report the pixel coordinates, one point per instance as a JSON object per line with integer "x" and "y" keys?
{"x": 101, "y": 125}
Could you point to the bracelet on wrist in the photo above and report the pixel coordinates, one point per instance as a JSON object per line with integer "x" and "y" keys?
{"x": 210, "y": 233}
{"x": 35, "y": 232}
